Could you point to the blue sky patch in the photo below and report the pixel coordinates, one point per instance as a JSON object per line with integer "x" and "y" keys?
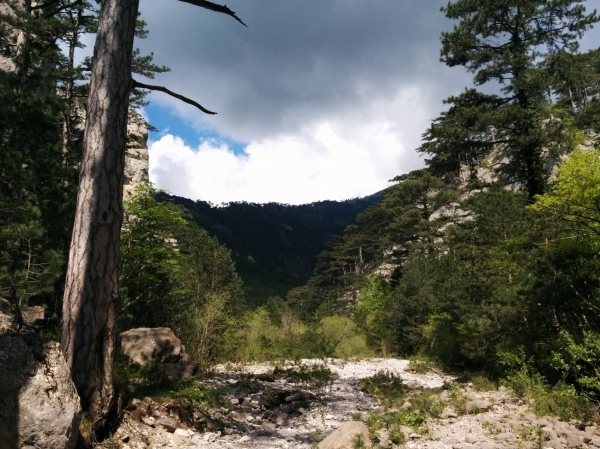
{"x": 166, "y": 121}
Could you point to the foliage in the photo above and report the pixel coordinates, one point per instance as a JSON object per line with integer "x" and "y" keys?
{"x": 284, "y": 337}
{"x": 386, "y": 386}
{"x": 506, "y": 43}
{"x": 559, "y": 400}
{"x": 274, "y": 245}
{"x": 574, "y": 195}
{"x": 174, "y": 274}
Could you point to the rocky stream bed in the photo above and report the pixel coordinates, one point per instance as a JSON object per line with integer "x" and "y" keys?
{"x": 260, "y": 408}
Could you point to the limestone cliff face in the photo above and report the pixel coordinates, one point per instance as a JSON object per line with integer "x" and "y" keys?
{"x": 136, "y": 157}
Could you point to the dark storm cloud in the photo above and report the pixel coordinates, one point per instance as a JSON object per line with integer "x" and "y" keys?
{"x": 299, "y": 62}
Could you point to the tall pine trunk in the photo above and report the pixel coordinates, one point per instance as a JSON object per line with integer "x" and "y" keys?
{"x": 91, "y": 289}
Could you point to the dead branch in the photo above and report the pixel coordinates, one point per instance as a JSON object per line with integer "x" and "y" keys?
{"x": 214, "y": 7}
{"x": 137, "y": 84}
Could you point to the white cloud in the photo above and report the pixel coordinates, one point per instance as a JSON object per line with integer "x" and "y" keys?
{"x": 345, "y": 156}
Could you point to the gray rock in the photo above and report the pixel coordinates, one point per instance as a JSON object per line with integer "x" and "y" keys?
{"x": 574, "y": 439}
{"x": 554, "y": 444}
{"x": 549, "y": 434}
{"x": 159, "y": 345}
{"x": 33, "y": 315}
{"x": 149, "y": 421}
{"x": 448, "y": 414}
{"x": 279, "y": 418}
{"x": 471, "y": 439}
{"x": 6, "y": 321}
{"x": 185, "y": 367}
{"x": 345, "y": 436}
{"x": 169, "y": 424}
{"x": 406, "y": 430}
{"x": 269, "y": 426}
{"x": 39, "y": 406}
{"x": 147, "y": 345}
{"x": 477, "y": 405}
{"x": 595, "y": 441}
{"x": 506, "y": 436}
{"x": 384, "y": 439}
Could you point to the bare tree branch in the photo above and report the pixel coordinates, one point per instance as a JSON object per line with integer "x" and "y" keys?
{"x": 214, "y": 7}
{"x": 137, "y": 84}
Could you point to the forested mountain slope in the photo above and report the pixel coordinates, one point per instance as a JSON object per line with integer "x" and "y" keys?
{"x": 274, "y": 245}
{"x": 487, "y": 259}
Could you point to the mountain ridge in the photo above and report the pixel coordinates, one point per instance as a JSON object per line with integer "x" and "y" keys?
{"x": 274, "y": 245}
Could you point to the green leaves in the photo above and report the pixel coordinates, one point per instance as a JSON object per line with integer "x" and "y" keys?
{"x": 507, "y": 42}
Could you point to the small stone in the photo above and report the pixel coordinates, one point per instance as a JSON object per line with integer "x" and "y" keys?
{"x": 268, "y": 426}
{"x": 549, "y": 434}
{"x": 177, "y": 440}
{"x": 502, "y": 389}
{"x": 149, "y": 421}
{"x": 384, "y": 439}
{"x": 414, "y": 436}
{"x": 506, "y": 436}
{"x": 471, "y": 439}
{"x": 406, "y": 430}
{"x": 477, "y": 405}
{"x": 573, "y": 439}
{"x": 280, "y": 418}
{"x": 244, "y": 439}
{"x": 595, "y": 441}
{"x": 406, "y": 406}
{"x": 181, "y": 432}
{"x": 448, "y": 414}
{"x": 452, "y": 441}
{"x": 345, "y": 435}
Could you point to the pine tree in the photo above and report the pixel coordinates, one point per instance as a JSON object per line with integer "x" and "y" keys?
{"x": 505, "y": 42}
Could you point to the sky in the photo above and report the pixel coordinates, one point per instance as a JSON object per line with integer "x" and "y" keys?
{"x": 316, "y": 99}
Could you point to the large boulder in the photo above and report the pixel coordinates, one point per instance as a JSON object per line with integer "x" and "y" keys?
{"x": 39, "y": 406}
{"x": 158, "y": 345}
{"x": 347, "y": 436}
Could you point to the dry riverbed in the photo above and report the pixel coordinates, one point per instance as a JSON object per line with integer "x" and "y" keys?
{"x": 257, "y": 406}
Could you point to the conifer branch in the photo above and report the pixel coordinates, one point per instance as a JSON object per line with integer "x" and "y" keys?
{"x": 137, "y": 84}
{"x": 214, "y": 7}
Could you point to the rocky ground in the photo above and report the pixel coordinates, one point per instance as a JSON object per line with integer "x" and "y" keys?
{"x": 297, "y": 407}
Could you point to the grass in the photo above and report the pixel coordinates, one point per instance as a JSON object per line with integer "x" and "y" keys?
{"x": 193, "y": 390}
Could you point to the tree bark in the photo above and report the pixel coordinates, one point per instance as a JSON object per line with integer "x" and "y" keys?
{"x": 91, "y": 289}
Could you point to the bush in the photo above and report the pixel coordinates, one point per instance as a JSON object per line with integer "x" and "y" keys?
{"x": 559, "y": 400}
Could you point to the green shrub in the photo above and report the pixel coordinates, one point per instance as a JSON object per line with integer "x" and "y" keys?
{"x": 385, "y": 386}
{"x": 344, "y": 337}
{"x": 560, "y": 400}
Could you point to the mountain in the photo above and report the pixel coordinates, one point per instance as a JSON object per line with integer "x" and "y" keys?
{"x": 274, "y": 245}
